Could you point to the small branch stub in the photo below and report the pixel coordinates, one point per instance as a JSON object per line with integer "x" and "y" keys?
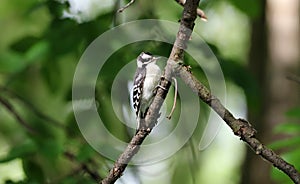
{"x": 200, "y": 12}
{"x": 126, "y": 6}
{"x": 175, "y": 98}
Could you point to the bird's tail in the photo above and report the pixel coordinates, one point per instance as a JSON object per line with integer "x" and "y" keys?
{"x": 138, "y": 120}
{"x": 140, "y": 124}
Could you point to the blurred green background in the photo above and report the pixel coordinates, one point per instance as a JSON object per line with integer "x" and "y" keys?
{"x": 256, "y": 43}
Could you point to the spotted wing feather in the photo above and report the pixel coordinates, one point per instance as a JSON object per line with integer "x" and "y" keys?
{"x": 138, "y": 91}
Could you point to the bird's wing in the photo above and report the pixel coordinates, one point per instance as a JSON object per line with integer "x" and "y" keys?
{"x": 138, "y": 91}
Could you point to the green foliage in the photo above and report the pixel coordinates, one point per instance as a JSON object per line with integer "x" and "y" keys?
{"x": 250, "y": 7}
{"x": 37, "y": 68}
{"x": 33, "y": 171}
{"x": 85, "y": 153}
{"x": 237, "y": 73}
{"x": 27, "y": 147}
{"x": 290, "y": 145}
{"x": 39, "y": 53}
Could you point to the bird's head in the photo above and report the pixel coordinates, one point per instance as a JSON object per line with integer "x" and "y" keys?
{"x": 145, "y": 58}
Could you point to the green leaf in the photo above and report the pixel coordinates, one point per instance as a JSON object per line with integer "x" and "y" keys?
{"x": 69, "y": 180}
{"x": 37, "y": 52}
{"x": 291, "y": 157}
{"x": 280, "y": 177}
{"x": 72, "y": 129}
{"x": 85, "y": 153}
{"x": 290, "y": 142}
{"x": 52, "y": 75}
{"x": 33, "y": 171}
{"x": 19, "y": 151}
{"x": 294, "y": 112}
{"x": 288, "y": 128}
{"x": 11, "y": 62}
{"x": 51, "y": 148}
{"x": 24, "y": 44}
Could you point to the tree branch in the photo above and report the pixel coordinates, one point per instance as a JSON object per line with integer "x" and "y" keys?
{"x": 186, "y": 25}
{"x": 294, "y": 78}
{"x": 19, "y": 119}
{"x": 200, "y": 12}
{"x": 30, "y": 106}
{"x": 126, "y": 6}
{"x": 83, "y": 166}
{"x": 240, "y": 127}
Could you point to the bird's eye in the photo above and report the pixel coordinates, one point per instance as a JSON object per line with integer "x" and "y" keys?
{"x": 145, "y": 58}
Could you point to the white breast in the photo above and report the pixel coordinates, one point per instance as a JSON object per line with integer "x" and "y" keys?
{"x": 153, "y": 74}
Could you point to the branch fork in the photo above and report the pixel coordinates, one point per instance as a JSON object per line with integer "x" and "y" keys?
{"x": 174, "y": 68}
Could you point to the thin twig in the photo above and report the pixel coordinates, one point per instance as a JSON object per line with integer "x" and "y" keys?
{"x": 83, "y": 166}
{"x": 200, "y": 12}
{"x": 126, "y": 6}
{"x": 294, "y": 78}
{"x": 29, "y": 105}
{"x": 175, "y": 98}
{"x": 20, "y": 120}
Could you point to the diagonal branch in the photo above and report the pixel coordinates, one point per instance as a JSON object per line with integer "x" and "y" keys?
{"x": 20, "y": 120}
{"x": 126, "y": 6}
{"x": 83, "y": 166}
{"x": 240, "y": 127}
{"x": 33, "y": 108}
{"x": 294, "y": 78}
{"x": 186, "y": 25}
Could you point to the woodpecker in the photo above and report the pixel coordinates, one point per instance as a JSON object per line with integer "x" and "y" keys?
{"x": 146, "y": 80}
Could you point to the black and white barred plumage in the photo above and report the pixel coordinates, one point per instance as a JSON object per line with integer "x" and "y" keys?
{"x": 145, "y": 81}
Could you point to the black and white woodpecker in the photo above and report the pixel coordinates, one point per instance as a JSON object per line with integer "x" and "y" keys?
{"x": 146, "y": 80}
